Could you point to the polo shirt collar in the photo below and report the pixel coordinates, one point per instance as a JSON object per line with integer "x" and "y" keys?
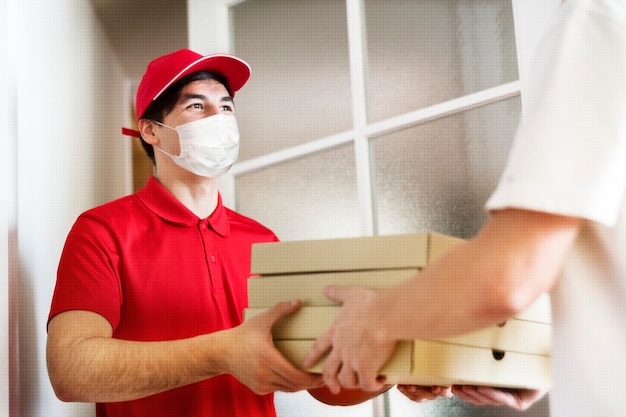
{"x": 161, "y": 202}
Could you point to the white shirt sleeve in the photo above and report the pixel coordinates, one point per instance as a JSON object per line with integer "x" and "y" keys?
{"x": 569, "y": 152}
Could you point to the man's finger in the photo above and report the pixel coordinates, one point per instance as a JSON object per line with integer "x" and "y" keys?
{"x": 279, "y": 311}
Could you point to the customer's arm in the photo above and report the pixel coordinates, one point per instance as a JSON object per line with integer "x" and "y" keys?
{"x": 516, "y": 257}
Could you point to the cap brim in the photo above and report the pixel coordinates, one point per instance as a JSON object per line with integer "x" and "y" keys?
{"x": 235, "y": 70}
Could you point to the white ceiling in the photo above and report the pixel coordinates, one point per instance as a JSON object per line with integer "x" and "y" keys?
{"x": 141, "y": 30}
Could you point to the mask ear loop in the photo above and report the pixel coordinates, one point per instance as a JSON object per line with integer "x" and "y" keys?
{"x": 165, "y": 152}
{"x": 161, "y": 150}
{"x": 164, "y": 125}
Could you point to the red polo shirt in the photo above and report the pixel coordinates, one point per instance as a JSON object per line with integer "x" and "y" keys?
{"x": 156, "y": 271}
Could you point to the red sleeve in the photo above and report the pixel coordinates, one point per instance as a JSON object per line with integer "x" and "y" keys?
{"x": 88, "y": 272}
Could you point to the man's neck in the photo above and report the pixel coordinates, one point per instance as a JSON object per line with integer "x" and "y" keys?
{"x": 198, "y": 194}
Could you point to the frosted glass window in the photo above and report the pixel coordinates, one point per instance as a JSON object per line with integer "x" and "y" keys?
{"x": 307, "y": 198}
{"x": 423, "y": 52}
{"x": 299, "y": 89}
{"x": 437, "y": 176}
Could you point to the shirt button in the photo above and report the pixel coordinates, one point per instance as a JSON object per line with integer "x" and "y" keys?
{"x": 212, "y": 258}
{"x": 203, "y": 226}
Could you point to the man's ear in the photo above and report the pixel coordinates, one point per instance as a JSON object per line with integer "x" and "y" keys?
{"x": 148, "y": 132}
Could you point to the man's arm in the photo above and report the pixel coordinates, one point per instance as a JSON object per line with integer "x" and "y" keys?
{"x": 86, "y": 364}
{"x": 514, "y": 258}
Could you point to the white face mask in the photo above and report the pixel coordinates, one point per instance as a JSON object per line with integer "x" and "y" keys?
{"x": 208, "y": 147}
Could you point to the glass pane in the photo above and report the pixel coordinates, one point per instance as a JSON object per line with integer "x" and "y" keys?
{"x": 307, "y": 198}
{"x": 299, "y": 89}
{"x": 423, "y": 52}
{"x": 437, "y": 176}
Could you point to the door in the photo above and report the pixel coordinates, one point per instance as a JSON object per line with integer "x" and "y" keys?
{"x": 370, "y": 117}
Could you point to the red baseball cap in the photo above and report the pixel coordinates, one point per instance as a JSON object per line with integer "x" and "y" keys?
{"x": 167, "y": 69}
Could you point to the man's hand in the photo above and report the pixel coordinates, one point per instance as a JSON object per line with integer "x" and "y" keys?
{"x": 517, "y": 399}
{"x": 355, "y": 342}
{"x": 255, "y": 361}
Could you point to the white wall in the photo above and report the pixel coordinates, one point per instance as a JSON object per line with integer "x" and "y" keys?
{"x": 70, "y": 94}
{"x": 7, "y": 209}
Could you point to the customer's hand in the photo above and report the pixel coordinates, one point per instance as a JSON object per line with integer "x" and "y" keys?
{"x": 356, "y": 345}
{"x": 518, "y": 399}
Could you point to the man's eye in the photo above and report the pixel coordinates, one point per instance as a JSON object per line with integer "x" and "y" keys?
{"x": 227, "y": 108}
{"x": 196, "y": 106}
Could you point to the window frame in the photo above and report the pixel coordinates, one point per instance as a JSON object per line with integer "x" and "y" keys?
{"x": 362, "y": 131}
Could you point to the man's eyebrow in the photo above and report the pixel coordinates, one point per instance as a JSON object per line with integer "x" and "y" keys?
{"x": 192, "y": 96}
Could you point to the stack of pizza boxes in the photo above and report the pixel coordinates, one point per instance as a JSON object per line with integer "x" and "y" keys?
{"x": 514, "y": 354}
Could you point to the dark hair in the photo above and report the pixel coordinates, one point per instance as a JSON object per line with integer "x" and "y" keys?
{"x": 164, "y": 104}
